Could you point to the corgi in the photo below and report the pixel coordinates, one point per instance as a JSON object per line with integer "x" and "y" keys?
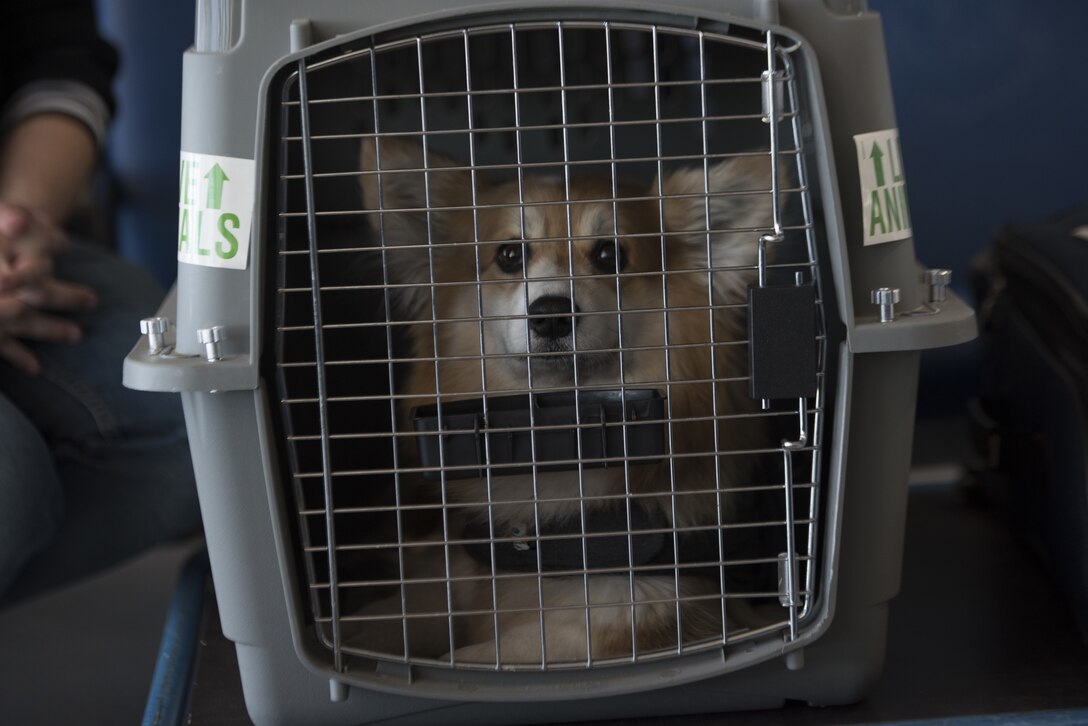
{"x": 547, "y": 284}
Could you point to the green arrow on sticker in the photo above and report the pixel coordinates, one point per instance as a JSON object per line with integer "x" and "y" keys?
{"x": 878, "y": 164}
{"x": 215, "y": 178}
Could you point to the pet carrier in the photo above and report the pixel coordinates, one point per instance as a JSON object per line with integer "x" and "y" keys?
{"x": 555, "y": 354}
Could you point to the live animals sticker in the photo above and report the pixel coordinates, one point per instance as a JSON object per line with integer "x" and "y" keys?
{"x": 884, "y": 213}
{"x": 215, "y": 210}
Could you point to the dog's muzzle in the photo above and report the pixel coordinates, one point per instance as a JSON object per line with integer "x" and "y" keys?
{"x": 552, "y": 317}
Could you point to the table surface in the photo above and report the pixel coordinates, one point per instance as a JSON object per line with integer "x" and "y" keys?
{"x": 978, "y": 628}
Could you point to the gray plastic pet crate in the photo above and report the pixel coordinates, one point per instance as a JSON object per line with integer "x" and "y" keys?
{"x": 290, "y": 346}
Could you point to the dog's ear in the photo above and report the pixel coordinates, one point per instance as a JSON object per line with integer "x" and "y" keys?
{"x": 737, "y": 194}
{"x": 399, "y": 184}
{"x": 402, "y": 182}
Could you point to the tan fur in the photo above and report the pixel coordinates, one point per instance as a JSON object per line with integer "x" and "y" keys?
{"x": 561, "y": 237}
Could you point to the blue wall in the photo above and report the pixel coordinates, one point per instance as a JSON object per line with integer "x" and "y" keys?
{"x": 992, "y": 102}
{"x": 146, "y": 135}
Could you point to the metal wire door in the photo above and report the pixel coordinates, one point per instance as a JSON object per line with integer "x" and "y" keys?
{"x": 513, "y": 348}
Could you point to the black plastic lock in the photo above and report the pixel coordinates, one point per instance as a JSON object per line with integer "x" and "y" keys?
{"x": 782, "y": 341}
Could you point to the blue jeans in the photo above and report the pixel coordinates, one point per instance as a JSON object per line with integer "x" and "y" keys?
{"x": 90, "y": 472}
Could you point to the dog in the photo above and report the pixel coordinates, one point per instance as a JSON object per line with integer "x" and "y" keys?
{"x": 548, "y": 284}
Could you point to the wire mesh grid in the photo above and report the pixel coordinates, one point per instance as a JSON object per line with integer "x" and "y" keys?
{"x": 511, "y": 343}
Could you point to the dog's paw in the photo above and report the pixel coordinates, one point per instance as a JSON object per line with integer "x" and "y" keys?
{"x": 478, "y": 654}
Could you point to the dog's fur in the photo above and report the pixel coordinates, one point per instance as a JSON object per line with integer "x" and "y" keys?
{"x": 462, "y": 322}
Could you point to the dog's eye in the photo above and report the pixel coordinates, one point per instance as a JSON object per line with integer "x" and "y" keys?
{"x": 608, "y": 256}
{"x": 509, "y": 257}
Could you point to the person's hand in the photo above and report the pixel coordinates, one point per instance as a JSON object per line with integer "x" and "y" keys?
{"x": 28, "y": 244}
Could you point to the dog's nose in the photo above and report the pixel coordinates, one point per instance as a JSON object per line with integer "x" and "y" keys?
{"x": 552, "y": 316}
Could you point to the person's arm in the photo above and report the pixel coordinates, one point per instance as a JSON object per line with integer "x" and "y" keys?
{"x": 55, "y": 104}
{"x": 56, "y": 101}
{"x": 45, "y": 163}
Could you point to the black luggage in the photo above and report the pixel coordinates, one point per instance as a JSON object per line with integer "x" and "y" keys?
{"x": 1031, "y": 416}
